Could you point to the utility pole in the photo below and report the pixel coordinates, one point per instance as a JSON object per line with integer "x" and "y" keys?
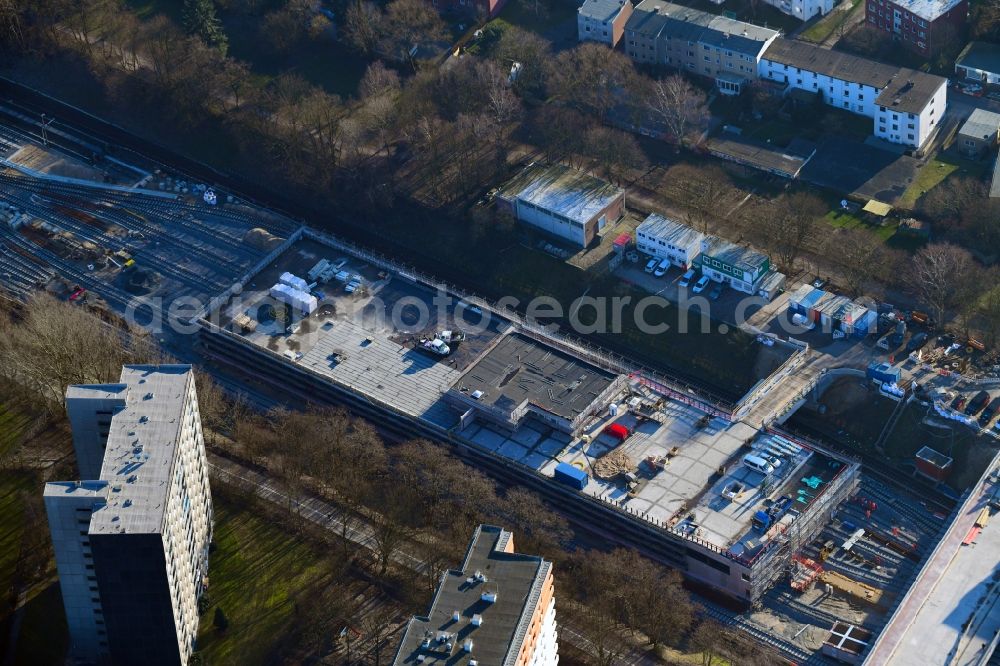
{"x": 45, "y": 125}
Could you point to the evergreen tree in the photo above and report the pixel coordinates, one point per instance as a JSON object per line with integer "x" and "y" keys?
{"x": 200, "y": 19}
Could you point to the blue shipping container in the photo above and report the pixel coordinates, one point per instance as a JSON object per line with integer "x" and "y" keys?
{"x": 571, "y": 476}
{"x": 884, "y": 373}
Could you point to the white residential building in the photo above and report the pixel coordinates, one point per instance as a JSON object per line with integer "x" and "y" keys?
{"x": 905, "y": 105}
{"x": 499, "y": 609}
{"x": 662, "y": 238}
{"x": 802, "y": 9}
{"x": 131, "y": 540}
{"x": 603, "y": 20}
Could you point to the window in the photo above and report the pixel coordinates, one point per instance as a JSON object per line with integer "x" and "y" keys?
{"x": 910, "y": 135}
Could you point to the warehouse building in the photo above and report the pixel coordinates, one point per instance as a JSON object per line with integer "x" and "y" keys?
{"x": 668, "y": 239}
{"x": 131, "y": 539}
{"x": 498, "y": 608}
{"x": 563, "y": 202}
{"x": 905, "y": 105}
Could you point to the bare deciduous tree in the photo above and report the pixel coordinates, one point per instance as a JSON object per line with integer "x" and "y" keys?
{"x": 941, "y": 275}
{"x": 681, "y": 107}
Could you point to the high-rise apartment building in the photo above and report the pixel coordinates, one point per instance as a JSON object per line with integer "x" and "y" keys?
{"x": 131, "y": 539}
{"x": 497, "y": 610}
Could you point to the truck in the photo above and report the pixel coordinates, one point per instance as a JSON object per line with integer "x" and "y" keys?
{"x": 571, "y": 476}
{"x": 977, "y": 403}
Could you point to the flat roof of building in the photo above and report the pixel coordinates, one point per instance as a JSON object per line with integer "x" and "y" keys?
{"x": 559, "y": 189}
{"x": 366, "y": 340}
{"x": 787, "y": 161}
{"x": 656, "y": 17}
{"x": 141, "y": 446}
{"x": 601, "y": 10}
{"x": 983, "y": 56}
{"x": 670, "y": 231}
{"x": 516, "y": 579}
{"x": 981, "y": 124}
{"x": 519, "y": 370}
{"x": 900, "y": 89}
{"x": 740, "y": 256}
{"x": 929, "y": 10}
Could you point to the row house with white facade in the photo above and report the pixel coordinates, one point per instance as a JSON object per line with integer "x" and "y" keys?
{"x": 905, "y": 105}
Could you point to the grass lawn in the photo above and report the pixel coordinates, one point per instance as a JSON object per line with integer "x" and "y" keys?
{"x": 935, "y": 172}
{"x": 842, "y": 219}
{"x": 12, "y": 486}
{"x": 12, "y": 423}
{"x": 523, "y": 15}
{"x": 255, "y": 571}
{"x": 826, "y": 26}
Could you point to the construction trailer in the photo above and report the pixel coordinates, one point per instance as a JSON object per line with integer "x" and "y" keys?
{"x": 833, "y": 312}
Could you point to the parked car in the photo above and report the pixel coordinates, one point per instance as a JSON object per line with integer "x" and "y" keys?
{"x": 803, "y": 321}
{"x": 977, "y": 404}
{"x": 958, "y": 403}
{"x": 701, "y": 284}
{"x": 716, "y": 292}
{"x": 662, "y": 268}
{"x": 686, "y": 278}
{"x": 758, "y": 464}
{"x": 990, "y": 412}
{"x": 651, "y": 265}
{"x": 916, "y": 342}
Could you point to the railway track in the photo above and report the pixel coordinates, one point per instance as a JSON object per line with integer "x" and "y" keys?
{"x": 40, "y": 204}
{"x": 786, "y": 648}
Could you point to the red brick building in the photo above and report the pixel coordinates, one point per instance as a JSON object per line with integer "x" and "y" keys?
{"x": 482, "y": 8}
{"x": 924, "y": 26}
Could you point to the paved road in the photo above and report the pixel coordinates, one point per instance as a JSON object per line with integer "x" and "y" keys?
{"x": 326, "y": 515}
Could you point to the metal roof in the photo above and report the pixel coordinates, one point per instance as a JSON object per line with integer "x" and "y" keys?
{"x": 559, "y": 189}
{"x": 746, "y": 258}
{"x": 602, "y": 10}
{"x": 669, "y": 231}
{"x": 981, "y": 124}
{"x": 517, "y": 581}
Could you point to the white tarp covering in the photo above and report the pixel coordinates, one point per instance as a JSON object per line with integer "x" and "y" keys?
{"x": 300, "y": 300}
{"x": 294, "y": 282}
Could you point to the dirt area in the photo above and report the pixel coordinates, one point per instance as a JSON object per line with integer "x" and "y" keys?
{"x": 40, "y": 159}
{"x": 852, "y": 413}
{"x": 768, "y": 360}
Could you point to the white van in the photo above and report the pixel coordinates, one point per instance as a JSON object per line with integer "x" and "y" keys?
{"x": 662, "y": 268}
{"x": 758, "y": 464}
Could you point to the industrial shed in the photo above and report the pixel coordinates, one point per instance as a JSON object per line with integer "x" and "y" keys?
{"x": 566, "y": 203}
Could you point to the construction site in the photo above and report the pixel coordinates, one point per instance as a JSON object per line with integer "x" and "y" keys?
{"x": 786, "y": 539}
